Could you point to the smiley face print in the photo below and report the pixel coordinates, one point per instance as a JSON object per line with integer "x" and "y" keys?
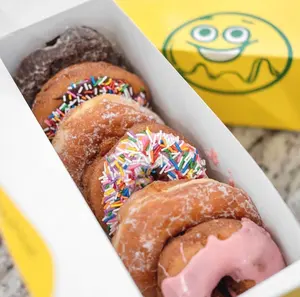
{"x": 229, "y": 53}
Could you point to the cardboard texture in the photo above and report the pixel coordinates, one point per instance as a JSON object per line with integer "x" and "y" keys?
{"x": 82, "y": 261}
{"x": 241, "y": 57}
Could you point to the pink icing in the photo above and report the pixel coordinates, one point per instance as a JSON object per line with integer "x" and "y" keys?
{"x": 213, "y": 156}
{"x": 250, "y": 253}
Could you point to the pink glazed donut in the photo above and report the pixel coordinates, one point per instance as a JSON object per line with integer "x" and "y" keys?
{"x": 240, "y": 253}
{"x": 161, "y": 211}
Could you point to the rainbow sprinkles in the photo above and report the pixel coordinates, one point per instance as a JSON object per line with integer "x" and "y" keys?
{"x": 86, "y": 89}
{"x": 138, "y": 160}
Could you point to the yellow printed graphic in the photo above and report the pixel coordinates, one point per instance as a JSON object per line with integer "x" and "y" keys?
{"x": 241, "y": 57}
{"x": 294, "y": 293}
{"x": 27, "y": 248}
{"x": 226, "y": 53}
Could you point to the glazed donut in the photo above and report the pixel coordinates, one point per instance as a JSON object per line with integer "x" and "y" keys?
{"x": 78, "y": 83}
{"x": 91, "y": 128}
{"x": 199, "y": 259}
{"x": 163, "y": 210}
{"x": 73, "y": 46}
{"x": 148, "y": 152}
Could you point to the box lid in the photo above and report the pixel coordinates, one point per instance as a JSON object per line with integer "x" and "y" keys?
{"x": 247, "y": 65}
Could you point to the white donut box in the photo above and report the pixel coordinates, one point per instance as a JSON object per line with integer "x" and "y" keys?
{"x": 31, "y": 173}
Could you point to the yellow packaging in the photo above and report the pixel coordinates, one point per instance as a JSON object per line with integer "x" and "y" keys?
{"x": 294, "y": 293}
{"x": 27, "y": 248}
{"x": 240, "y": 56}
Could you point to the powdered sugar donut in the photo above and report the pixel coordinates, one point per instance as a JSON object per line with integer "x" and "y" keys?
{"x": 147, "y": 152}
{"x": 164, "y": 210}
{"x": 89, "y": 130}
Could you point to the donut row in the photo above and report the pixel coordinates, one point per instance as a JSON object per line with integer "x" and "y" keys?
{"x": 178, "y": 231}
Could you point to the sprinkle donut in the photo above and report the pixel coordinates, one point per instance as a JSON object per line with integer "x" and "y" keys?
{"x": 164, "y": 210}
{"x": 91, "y": 129}
{"x": 79, "y": 83}
{"x": 146, "y": 153}
{"x": 239, "y": 252}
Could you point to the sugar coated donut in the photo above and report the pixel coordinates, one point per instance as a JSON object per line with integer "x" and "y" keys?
{"x": 78, "y": 83}
{"x": 148, "y": 152}
{"x": 91, "y": 128}
{"x": 163, "y": 210}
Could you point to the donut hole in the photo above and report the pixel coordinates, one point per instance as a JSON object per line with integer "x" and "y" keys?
{"x": 228, "y": 287}
{"x": 52, "y": 41}
{"x": 156, "y": 176}
{"x": 237, "y": 288}
{"x": 221, "y": 290}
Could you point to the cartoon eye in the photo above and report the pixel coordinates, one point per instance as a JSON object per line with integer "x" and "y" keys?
{"x": 236, "y": 34}
{"x": 205, "y": 33}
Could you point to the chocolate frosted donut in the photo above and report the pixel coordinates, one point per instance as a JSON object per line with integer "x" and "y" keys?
{"x": 75, "y": 45}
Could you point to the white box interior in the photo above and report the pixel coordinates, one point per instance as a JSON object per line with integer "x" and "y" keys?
{"x": 174, "y": 100}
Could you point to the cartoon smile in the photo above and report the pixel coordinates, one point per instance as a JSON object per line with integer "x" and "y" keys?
{"x": 205, "y": 34}
{"x": 218, "y": 55}
{"x": 229, "y": 52}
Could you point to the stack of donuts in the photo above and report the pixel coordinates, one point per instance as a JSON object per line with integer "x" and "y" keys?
{"x": 178, "y": 231}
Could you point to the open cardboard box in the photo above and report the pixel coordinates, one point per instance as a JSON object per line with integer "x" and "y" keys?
{"x": 247, "y": 65}
{"x": 63, "y": 249}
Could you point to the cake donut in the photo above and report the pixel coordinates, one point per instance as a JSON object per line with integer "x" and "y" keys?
{"x": 196, "y": 261}
{"x": 73, "y": 46}
{"x": 147, "y": 152}
{"x": 78, "y": 83}
{"x": 91, "y": 128}
{"x": 164, "y": 210}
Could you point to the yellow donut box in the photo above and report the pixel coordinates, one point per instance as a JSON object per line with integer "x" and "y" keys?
{"x": 51, "y": 233}
{"x": 241, "y": 57}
